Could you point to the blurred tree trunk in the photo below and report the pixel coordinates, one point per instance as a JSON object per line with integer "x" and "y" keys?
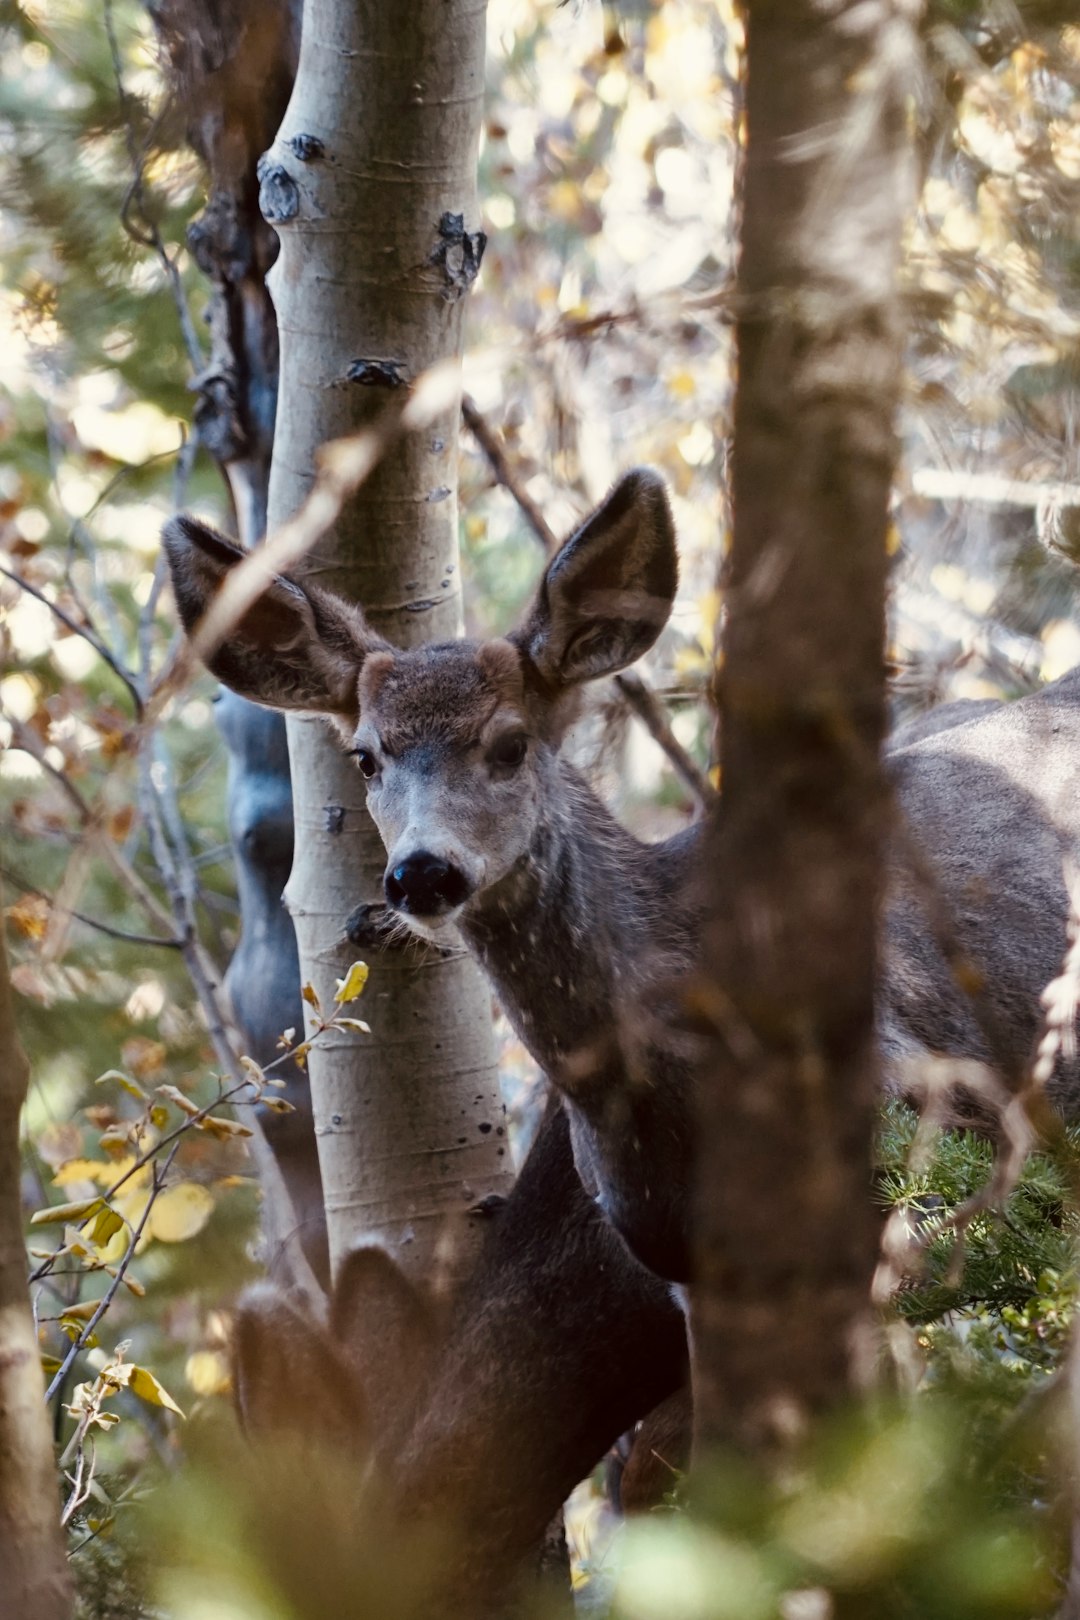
{"x": 371, "y": 187}
{"x": 231, "y": 67}
{"x": 34, "y": 1580}
{"x": 787, "y": 1233}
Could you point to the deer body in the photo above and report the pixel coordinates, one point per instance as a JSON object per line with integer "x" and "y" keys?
{"x": 589, "y": 935}
{"x": 577, "y": 941}
{"x": 994, "y": 805}
{"x": 479, "y": 1413}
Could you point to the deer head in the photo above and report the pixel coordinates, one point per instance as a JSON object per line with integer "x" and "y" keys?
{"x": 456, "y": 740}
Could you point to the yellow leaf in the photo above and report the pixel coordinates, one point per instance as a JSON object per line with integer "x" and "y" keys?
{"x": 132, "y": 1087}
{"x": 300, "y": 1055}
{"x": 308, "y": 993}
{"x": 278, "y": 1105}
{"x": 81, "y": 1170}
{"x": 223, "y": 1128}
{"x": 83, "y": 1311}
{"x": 352, "y": 984}
{"x": 128, "y": 1204}
{"x": 73, "y": 1330}
{"x": 105, "y": 1225}
{"x": 249, "y": 1065}
{"x": 180, "y": 1212}
{"x": 103, "y": 1420}
{"x": 159, "y": 1115}
{"x": 116, "y": 1141}
{"x": 129, "y": 1282}
{"x": 65, "y": 1212}
{"x": 142, "y": 1383}
{"x": 30, "y": 916}
{"x": 176, "y": 1096}
{"x": 207, "y": 1371}
{"x": 353, "y": 1023}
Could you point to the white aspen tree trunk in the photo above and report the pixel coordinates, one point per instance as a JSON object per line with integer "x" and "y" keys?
{"x": 34, "y": 1579}
{"x": 371, "y": 186}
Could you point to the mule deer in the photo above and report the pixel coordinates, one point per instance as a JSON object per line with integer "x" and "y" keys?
{"x": 585, "y": 932}
{"x": 481, "y": 1412}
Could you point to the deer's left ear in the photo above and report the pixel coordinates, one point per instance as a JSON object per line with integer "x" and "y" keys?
{"x": 608, "y": 592}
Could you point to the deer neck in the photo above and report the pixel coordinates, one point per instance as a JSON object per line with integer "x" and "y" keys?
{"x": 553, "y": 934}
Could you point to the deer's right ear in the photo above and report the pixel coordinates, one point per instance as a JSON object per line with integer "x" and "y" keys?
{"x": 293, "y": 649}
{"x": 608, "y": 591}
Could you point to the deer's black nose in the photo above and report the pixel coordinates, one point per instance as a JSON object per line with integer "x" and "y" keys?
{"x": 425, "y": 885}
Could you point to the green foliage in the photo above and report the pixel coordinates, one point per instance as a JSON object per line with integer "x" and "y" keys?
{"x": 1018, "y": 1264}
{"x": 901, "y": 1513}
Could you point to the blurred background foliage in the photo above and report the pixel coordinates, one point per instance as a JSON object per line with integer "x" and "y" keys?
{"x": 600, "y": 336}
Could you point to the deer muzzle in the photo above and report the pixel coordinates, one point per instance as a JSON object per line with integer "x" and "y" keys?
{"x": 425, "y": 885}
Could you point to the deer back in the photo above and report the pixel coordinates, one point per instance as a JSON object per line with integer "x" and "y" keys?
{"x": 994, "y": 806}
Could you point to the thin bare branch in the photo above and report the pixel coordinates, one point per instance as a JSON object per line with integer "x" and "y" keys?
{"x": 643, "y": 701}
{"x": 503, "y": 472}
{"x": 121, "y": 934}
{"x": 24, "y": 737}
{"x": 84, "y": 632}
{"x": 639, "y": 698}
{"x": 150, "y": 237}
{"x": 78, "y": 1343}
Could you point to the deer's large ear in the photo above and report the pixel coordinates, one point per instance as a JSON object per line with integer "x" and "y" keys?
{"x": 287, "y": 1372}
{"x": 608, "y": 592}
{"x": 293, "y": 649}
{"x": 385, "y": 1326}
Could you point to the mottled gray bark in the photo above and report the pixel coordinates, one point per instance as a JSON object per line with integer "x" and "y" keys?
{"x": 371, "y": 187}
{"x": 34, "y": 1580}
{"x": 786, "y": 1239}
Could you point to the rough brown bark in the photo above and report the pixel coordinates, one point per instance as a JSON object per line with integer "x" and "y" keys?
{"x": 786, "y": 1227}
{"x": 34, "y": 1580}
{"x": 371, "y": 187}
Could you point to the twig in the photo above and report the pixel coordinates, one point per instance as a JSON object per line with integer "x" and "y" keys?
{"x": 160, "y": 1172}
{"x": 84, "y": 632}
{"x": 649, "y": 710}
{"x": 151, "y": 237}
{"x": 188, "y": 1123}
{"x": 673, "y": 306}
{"x": 26, "y": 739}
{"x": 638, "y": 697}
{"x": 148, "y": 612}
{"x": 80, "y": 916}
{"x": 503, "y": 473}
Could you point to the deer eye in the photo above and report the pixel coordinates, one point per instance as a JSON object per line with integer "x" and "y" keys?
{"x": 509, "y": 750}
{"x": 367, "y": 762}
